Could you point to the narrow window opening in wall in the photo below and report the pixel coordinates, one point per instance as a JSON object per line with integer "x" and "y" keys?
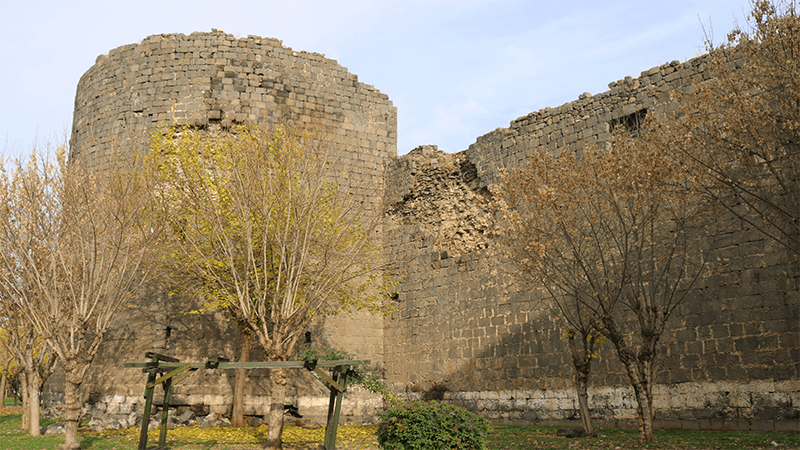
{"x": 631, "y": 123}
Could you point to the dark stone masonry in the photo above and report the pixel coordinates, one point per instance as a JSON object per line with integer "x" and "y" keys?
{"x": 463, "y": 333}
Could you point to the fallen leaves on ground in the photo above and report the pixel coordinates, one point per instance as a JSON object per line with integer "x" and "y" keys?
{"x": 351, "y": 437}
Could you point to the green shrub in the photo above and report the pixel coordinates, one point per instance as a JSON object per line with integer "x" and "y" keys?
{"x": 431, "y": 425}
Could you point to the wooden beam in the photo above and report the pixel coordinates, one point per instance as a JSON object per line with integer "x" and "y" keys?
{"x": 246, "y": 365}
{"x": 169, "y": 375}
{"x": 332, "y": 384}
{"x": 178, "y": 371}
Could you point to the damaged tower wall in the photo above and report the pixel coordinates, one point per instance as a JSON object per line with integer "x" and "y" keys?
{"x": 215, "y": 80}
{"x": 463, "y": 333}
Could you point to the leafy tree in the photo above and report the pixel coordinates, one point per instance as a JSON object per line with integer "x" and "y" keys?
{"x": 737, "y": 136}
{"x": 614, "y": 236}
{"x": 261, "y": 224}
{"x": 73, "y": 251}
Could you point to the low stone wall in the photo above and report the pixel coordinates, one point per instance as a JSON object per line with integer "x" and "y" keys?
{"x": 358, "y": 406}
{"x": 755, "y": 406}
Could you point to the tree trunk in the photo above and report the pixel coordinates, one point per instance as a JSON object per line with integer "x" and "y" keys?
{"x": 583, "y": 365}
{"x": 639, "y": 366}
{"x": 72, "y": 406}
{"x": 4, "y": 385}
{"x": 581, "y": 384}
{"x": 23, "y": 390}
{"x": 277, "y": 395}
{"x": 644, "y": 409}
{"x": 33, "y": 402}
{"x": 237, "y": 416}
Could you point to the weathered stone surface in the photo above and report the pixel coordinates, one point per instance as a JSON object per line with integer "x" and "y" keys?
{"x": 215, "y": 80}
{"x": 465, "y": 331}
{"x": 466, "y": 326}
{"x": 53, "y": 429}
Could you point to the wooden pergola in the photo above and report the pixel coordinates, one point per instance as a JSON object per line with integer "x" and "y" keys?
{"x": 176, "y": 371}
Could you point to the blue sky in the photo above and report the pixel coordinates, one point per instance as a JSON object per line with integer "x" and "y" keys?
{"x": 455, "y": 69}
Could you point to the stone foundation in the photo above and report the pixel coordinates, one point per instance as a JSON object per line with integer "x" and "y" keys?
{"x": 754, "y": 406}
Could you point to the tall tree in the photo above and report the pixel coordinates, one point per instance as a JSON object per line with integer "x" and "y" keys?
{"x": 74, "y": 250}
{"x": 259, "y": 218}
{"x": 33, "y": 359}
{"x": 614, "y": 236}
{"x": 6, "y": 358}
{"x": 738, "y": 135}
{"x": 24, "y": 345}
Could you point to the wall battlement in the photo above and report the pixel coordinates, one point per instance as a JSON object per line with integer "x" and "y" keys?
{"x": 462, "y": 333}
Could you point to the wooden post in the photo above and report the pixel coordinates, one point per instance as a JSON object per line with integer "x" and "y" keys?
{"x": 330, "y": 439}
{"x": 178, "y": 371}
{"x": 152, "y": 369}
{"x": 162, "y": 434}
{"x": 335, "y": 406}
{"x": 148, "y": 403}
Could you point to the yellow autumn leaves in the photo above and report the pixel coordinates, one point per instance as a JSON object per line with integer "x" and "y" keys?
{"x": 351, "y": 437}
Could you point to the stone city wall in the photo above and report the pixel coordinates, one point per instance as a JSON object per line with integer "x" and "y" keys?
{"x": 463, "y": 331}
{"x": 465, "y": 334}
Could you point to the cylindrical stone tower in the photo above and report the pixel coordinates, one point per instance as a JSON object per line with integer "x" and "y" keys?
{"x": 209, "y": 80}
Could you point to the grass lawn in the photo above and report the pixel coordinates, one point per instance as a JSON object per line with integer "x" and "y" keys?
{"x": 502, "y": 437}
{"x": 511, "y": 437}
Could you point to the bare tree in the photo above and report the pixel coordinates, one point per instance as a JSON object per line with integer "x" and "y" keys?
{"x": 738, "y": 135}
{"x": 259, "y": 217}
{"x": 74, "y": 251}
{"x": 7, "y": 358}
{"x": 23, "y": 345}
{"x": 616, "y": 233}
{"x": 614, "y": 236}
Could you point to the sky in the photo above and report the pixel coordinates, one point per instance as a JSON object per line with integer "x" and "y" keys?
{"x": 455, "y": 69}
